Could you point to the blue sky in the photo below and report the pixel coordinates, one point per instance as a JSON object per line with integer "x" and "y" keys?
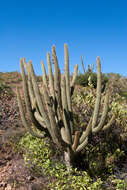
{"x": 29, "y": 28}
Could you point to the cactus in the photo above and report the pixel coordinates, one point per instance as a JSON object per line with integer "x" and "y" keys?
{"x": 90, "y": 67}
{"x": 50, "y": 109}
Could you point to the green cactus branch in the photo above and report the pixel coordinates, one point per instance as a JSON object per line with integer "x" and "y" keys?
{"x": 74, "y": 76}
{"x": 67, "y": 77}
{"x": 111, "y": 121}
{"x": 27, "y": 98}
{"x": 65, "y": 111}
{"x": 25, "y": 123}
{"x": 104, "y": 114}
{"x": 74, "y": 79}
{"x": 82, "y": 145}
{"x": 44, "y": 77}
{"x": 54, "y": 128}
{"x": 98, "y": 98}
{"x": 85, "y": 134}
{"x": 38, "y": 96}
{"x": 83, "y": 65}
{"x": 76, "y": 141}
{"x": 51, "y": 80}
{"x": 57, "y": 77}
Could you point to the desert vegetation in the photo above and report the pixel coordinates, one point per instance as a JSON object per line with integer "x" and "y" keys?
{"x": 72, "y": 133}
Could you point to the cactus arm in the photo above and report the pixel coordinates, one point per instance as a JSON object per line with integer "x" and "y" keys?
{"x": 68, "y": 90}
{"x": 30, "y": 88}
{"x": 98, "y": 98}
{"x": 54, "y": 129}
{"x": 74, "y": 78}
{"x": 57, "y": 77}
{"x": 37, "y": 114}
{"x": 92, "y": 67}
{"x": 66, "y": 119}
{"x": 39, "y": 119}
{"x": 38, "y": 96}
{"x": 67, "y": 77}
{"x": 74, "y": 75}
{"x": 63, "y": 93}
{"x": 104, "y": 114}
{"x": 34, "y": 104}
{"x": 109, "y": 123}
{"x": 83, "y": 65}
{"x": 25, "y": 124}
{"x": 64, "y": 135}
{"x": 27, "y": 98}
{"x": 51, "y": 81}
{"x": 76, "y": 141}
{"x": 32, "y": 97}
{"x": 82, "y": 146}
{"x": 57, "y": 80}
{"x": 44, "y": 77}
{"x": 31, "y": 93}
{"x": 86, "y": 132}
{"x": 25, "y": 64}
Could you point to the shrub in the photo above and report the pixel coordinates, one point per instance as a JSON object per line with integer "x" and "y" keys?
{"x": 83, "y": 80}
{"x": 39, "y": 158}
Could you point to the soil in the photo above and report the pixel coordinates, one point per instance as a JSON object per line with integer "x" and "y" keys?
{"x": 13, "y": 173}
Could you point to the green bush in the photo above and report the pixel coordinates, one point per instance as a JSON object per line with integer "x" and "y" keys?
{"x": 38, "y": 157}
{"x": 83, "y": 79}
{"x": 3, "y": 86}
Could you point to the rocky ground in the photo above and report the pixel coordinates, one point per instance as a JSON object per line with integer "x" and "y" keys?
{"x": 13, "y": 173}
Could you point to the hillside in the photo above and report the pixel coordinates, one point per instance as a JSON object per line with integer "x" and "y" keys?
{"x": 110, "y": 149}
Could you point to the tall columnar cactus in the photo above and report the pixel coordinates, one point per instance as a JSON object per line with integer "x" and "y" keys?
{"x": 50, "y": 108}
